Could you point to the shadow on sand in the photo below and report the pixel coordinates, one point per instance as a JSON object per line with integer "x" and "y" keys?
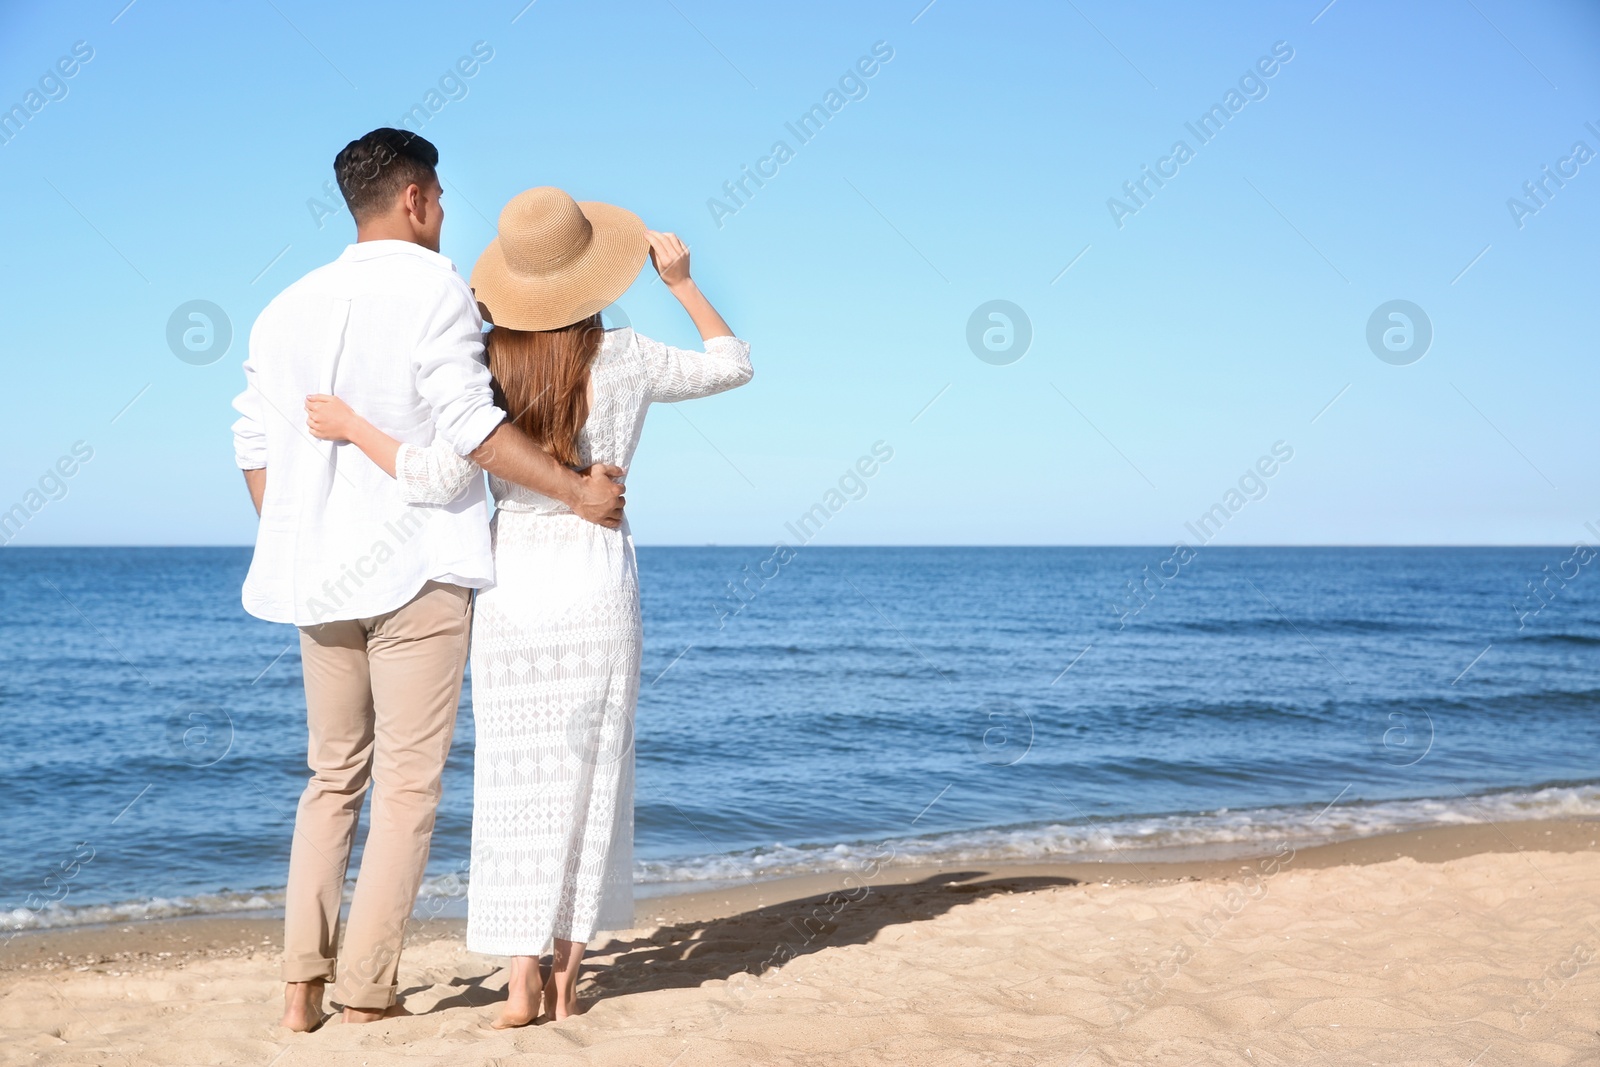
{"x": 685, "y": 954}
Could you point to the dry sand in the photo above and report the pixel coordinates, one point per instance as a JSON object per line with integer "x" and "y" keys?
{"x": 1462, "y": 946}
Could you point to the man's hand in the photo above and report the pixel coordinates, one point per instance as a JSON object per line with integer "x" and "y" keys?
{"x": 510, "y": 455}
{"x": 600, "y": 498}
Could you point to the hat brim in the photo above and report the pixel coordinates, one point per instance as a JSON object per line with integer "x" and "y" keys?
{"x": 584, "y": 285}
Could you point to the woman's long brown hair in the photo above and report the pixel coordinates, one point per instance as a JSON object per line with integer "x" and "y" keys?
{"x": 541, "y": 379}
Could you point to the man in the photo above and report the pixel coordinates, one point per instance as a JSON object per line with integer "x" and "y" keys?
{"x": 382, "y": 593}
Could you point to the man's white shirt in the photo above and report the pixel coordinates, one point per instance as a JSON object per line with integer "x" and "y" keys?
{"x": 394, "y": 331}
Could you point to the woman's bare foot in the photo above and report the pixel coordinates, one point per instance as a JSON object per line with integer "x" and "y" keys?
{"x": 523, "y": 988}
{"x": 302, "y": 1006}
{"x": 561, "y": 991}
{"x": 561, "y": 1003}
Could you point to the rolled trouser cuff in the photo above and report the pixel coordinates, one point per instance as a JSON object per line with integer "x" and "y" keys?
{"x": 363, "y": 996}
{"x": 303, "y": 969}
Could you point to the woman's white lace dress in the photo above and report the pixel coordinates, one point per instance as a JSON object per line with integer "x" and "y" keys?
{"x": 555, "y": 668}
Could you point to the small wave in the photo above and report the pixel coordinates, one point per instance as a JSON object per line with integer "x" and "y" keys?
{"x": 1273, "y": 624}
{"x": 1580, "y": 640}
{"x": 59, "y": 913}
{"x": 1221, "y": 834}
{"x": 1242, "y": 711}
{"x": 441, "y": 895}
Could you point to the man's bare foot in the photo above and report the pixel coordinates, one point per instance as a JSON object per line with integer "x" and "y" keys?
{"x": 364, "y": 1015}
{"x": 302, "y": 1006}
{"x": 522, "y": 994}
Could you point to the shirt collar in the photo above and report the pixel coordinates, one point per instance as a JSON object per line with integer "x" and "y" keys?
{"x": 362, "y": 251}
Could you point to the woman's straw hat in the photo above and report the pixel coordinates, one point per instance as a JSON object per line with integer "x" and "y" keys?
{"x": 556, "y": 261}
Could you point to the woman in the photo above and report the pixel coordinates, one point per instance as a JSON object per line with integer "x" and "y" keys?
{"x": 556, "y": 643}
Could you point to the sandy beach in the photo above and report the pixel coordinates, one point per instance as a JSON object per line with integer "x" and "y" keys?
{"x": 1452, "y": 945}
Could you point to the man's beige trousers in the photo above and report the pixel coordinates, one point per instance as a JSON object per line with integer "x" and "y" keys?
{"x": 381, "y": 696}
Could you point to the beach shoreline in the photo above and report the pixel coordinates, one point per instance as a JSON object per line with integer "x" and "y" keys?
{"x": 1451, "y": 944}
{"x": 121, "y": 948}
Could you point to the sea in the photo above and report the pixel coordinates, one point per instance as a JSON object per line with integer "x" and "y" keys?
{"x": 840, "y": 708}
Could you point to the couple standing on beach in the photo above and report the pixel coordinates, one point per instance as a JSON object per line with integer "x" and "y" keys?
{"x": 373, "y": 404}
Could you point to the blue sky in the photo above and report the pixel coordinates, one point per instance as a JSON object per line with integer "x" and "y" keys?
{"x": 1168, "y": 354}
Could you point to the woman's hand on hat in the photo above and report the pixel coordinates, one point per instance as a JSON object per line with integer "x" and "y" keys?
{"x": 670, "y": 256}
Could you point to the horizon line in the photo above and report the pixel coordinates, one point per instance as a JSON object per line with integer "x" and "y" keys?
{"x": 764, "y": 546}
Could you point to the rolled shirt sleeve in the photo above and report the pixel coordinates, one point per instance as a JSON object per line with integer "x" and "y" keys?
{"x": 249, "y": 431}
{"x": 453, "y": 375}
